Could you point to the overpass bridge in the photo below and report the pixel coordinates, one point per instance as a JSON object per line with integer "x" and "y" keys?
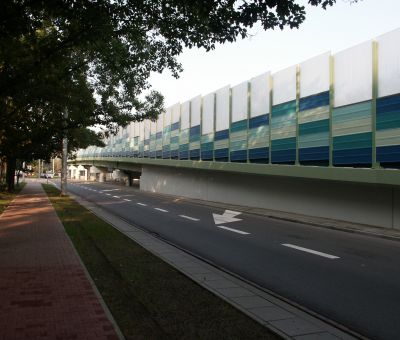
{"x": 320, "y": 138}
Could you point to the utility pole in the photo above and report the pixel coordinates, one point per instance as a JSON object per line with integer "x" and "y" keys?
{"x": 64, "y": 171}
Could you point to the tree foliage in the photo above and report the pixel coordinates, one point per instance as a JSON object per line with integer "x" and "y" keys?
{"x": 93, "y": 59}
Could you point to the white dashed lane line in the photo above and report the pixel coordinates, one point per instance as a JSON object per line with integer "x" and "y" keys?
{"x": 314, "y": 252}
{"x": 116, "y": 196}
{"x": 233, "y": 230}
{"x": 108, "y": 194}
{"x": 142, "y": 204}
{"x": 189, "y": 218}
{"x": 125, "y": 199}
{"x": 162, "y": 210}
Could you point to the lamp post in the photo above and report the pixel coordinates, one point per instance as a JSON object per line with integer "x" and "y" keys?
{"x": 64, "y": 171}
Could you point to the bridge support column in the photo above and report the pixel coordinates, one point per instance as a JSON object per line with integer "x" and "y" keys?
{"x": 102, "y": 177}
{"x": 87, "y": 174}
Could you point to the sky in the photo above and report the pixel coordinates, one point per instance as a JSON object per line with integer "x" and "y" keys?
{"x": 339, "y": 27}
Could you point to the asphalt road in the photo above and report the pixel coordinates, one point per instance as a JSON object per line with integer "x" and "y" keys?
{"x": 349, "y": 278}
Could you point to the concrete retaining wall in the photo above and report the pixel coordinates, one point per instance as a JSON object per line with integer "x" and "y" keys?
{"x": 359, "y": 203}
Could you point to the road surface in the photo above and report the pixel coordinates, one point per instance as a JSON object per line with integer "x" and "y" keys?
{"x": 349, "y": 278}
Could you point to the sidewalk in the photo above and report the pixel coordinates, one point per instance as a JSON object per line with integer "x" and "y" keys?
{"x": 45, "y": 292}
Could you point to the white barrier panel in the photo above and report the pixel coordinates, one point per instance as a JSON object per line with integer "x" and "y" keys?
{"x": 260, "y": 94}
{"x": 141, "y": 131}
{"x": 160, "y": 123}
{"x": 239, "y": 102}
{"x": 389, "y": 63}
{"x": 185, "y": 115}
{"x": 222, "y": 109}
{"x": 195, "y": 115}
{"x": 136, "y": 129}
{"x": 284, "y": 86}
{"x": 315, "y": 75}
{"x": 207, "y": 125}
{"x": 167, "y": 116}
{"x": 153, "y": 127}
{"x": 353, "y": 75}
{"x": 147, "y": 129}
{"x": 176, "y": 113}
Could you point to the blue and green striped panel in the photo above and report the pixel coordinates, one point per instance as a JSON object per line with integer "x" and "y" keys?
{"x": 184, "y": 144}
{"x": 194, "y": 142}
{"x": 207, "y": 147}
{"x": 352, "y": 136}
{"x": 136, "y": 146}
{"x": 159, "y": 144}
{"x": 146, "y": 148}
{"x": 152, "y": 148}
{"x": 174, "y": 141}
{"x": 314, "y": 129}
{"x": 388, "y": 130}
{"x": 166, "y": 142}
{"x": 141, "y": 149}
{"x": 258, "y": 140}
{"x": 283, "y": 133}
{"x": 238, "y": 141}
{"x": 221, "y": 146}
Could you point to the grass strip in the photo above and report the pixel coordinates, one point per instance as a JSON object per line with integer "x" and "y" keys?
{"x": 148, "y": 298}
{"x": 7, "y": 197}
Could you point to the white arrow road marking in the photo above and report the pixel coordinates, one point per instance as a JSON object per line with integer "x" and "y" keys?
{"x": 234, "y": 230}
{"x": 189, "y": 218}
{"x": 227, "y": 217}
{"x": 332, "y": 257}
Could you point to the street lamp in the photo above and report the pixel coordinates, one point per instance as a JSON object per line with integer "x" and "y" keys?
{"x": 64, "y": 171}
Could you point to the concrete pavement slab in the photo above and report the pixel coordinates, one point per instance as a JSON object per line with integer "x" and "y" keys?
{"x": 296, "y": 326}
{"x": 252, "y": 302}
{"x": 271, "y": 313}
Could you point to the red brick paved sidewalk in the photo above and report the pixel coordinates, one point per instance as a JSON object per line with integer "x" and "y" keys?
{"x": 44, "y": 290}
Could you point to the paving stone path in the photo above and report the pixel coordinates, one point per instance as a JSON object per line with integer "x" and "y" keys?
{"x": 44, "y": 290}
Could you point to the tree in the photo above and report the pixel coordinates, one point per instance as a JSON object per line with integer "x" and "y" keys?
{"x": 94, "y": 58}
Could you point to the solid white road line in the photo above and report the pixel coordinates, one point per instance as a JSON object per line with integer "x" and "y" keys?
{"x": 332, "y": 257}
{"x": 144, "y": 205}
{"x": 125, "y": 199}
{"x": 234, "y": 230}
{"x": 189, "y": 218}
{"x": 162, "y": 210}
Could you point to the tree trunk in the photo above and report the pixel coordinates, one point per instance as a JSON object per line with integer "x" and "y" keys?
{"x": 10, "y": 173}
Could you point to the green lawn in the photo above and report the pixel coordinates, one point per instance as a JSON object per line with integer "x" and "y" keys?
{"x": 7, "y": 197}
{"x": 148, "y": 298}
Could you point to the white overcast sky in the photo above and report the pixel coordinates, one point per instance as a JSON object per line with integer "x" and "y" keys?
{"x": 335, "y": 29}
